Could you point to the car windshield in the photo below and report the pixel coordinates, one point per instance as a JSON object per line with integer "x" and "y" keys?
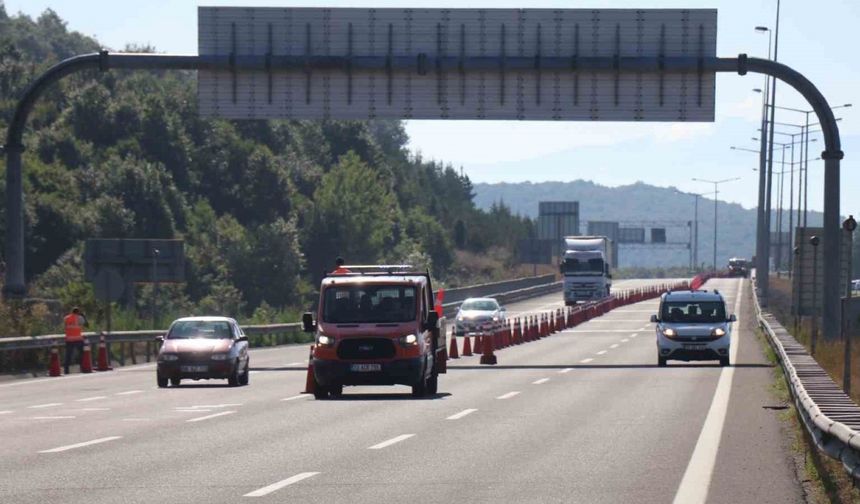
{"x": 208, "y": 329}
{"x": 369, "y": 303}
{"x": 479, "y": 305}
{"x": 575, "y": 266}
{"x": 694, "y": 311}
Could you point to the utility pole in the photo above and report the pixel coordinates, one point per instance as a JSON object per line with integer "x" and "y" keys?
{"x": 716, "y": 185}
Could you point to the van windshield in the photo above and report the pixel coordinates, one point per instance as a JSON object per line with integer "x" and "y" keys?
{"x": 694, "y": 312}
{"x": 369, "y": 304}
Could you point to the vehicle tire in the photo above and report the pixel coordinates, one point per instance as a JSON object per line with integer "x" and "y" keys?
{"x": 724, "y": 361}
{"x": 335, "y": 391}
{"x": 161, "y": 380}
{"x": 433, "y": 384}
{"x": 175, "y": 381}
{"x": 246, "y": 376}
{"x": 320, "y": 392}
{"x": 661, "y": 361}
{"x": 233, "y": 379}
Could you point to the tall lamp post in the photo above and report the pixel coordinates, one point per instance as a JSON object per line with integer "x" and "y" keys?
{"x": 763, "y": 215}
{"x": 848, "y": 225}
{"x": 716, "y": 185}
{"x": 695, "y": 253}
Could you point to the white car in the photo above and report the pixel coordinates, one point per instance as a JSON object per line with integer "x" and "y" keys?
{"x": 693, "y": 325}
{"x": 479, "y": 316}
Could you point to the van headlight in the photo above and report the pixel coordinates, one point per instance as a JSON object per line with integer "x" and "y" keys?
{"x": 718, "y": 332}
{"x": 325, "y": 341}
{"x": 669, "y": 332}
{"x": 408, "y": 340}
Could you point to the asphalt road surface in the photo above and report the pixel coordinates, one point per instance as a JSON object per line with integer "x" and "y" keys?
{"x": 581, "y": 416}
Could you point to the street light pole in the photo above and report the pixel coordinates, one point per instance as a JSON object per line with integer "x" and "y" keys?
{"x": 716, "y": 185}
{"x": 763, "y": 223}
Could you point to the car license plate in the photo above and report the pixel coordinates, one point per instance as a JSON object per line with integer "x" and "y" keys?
{"x": 694, "y": 347}
{"x": 365, "y": 367}
{"x": 194, "y": 369}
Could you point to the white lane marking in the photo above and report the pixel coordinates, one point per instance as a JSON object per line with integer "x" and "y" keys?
{"x": 293, "y": 398}
{"x": 644, "y": 328}
{"x": 135, "y": 419}
{"x": 624, "y": 340}
{"x": 57, "y": 417}
{"x": 595, "y": 331}
{"x": 81, "y": 445}
{"x": 566, "y": 370}
{"x": 94, "y": 409}
{"x": 601, "y": 352}
{"x": 209, "y": 406}
{"x": 297, "y": 364}
{"x": 614, "y": 345}
{"x": 94, "y": 398}
{"x": 5, "y": 412}
{"x": 391, "y": 441}
{"x": 207, "y": 417}
{"x": 461, "y": 414}
{"x": 509, "y": 395}
{"x": 634, "y": 335}
{"x": 540, "y": 382}
{"x": 614, "y": 321}
{"x": 586, "y": 361}
{"x": 191, "y": 410}
{"x": 266, "y": 490}
{"x": 129, "y": 392}
{"x": 46, "y": 405}
{"x": 137, "y": 367}
{"x": 697, "y": 478}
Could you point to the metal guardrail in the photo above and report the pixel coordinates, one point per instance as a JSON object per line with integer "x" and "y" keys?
{"x": 831, "y": 418}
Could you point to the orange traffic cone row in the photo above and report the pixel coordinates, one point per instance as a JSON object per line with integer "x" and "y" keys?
{"x": 310, "y": 383}
{"x": 103, "y": 362}
{"x": 453, "y": 354}
{"x": 87, "y": 359}
{"x": 478, "y": 344}
{"x": 54, "y": 364}
{"x": 467, "y": 346}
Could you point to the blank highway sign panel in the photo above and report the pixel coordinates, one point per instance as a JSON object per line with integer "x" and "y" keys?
{"x": 462, "y": 89}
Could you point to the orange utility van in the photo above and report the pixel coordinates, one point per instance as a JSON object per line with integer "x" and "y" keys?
{"x": 376, "y": 325}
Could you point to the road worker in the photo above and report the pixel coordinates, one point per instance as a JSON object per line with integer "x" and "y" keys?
{"x": 74, "y": 324}
{"x": 339, "y": 269}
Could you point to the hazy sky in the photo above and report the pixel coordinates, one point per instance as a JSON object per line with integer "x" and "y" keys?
{"x": 812, "y": 40}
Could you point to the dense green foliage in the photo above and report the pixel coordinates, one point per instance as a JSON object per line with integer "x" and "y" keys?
{"x": 264, "y": 207}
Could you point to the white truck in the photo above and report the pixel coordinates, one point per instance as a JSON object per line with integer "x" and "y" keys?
{"x": 585, "y": 265}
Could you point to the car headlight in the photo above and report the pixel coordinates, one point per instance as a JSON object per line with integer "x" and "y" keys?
{"x": 495, "y": 319}
{"x": 669, "y": 332}
{"x": 409, "y": 340}
{"x": 168, "y": 357}
{"x": 719, "y": 331}
{"x": 219, "y": 356}
{"x": 326, "y": 341}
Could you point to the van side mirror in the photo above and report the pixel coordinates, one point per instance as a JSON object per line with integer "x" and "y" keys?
{"x": 159, "y": 338}
{"x": 432, "y": 321}
{"x": 308, "y": 325}
{"x": 653, "y": 319}
{"x": 733, "y": 318}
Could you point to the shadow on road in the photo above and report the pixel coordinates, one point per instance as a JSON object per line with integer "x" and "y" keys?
{"x": 388, "y": 397}
{"x": 282, "y": 368}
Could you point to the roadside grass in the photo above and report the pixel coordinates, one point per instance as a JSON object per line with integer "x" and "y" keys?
{"x": 823, "y": 479}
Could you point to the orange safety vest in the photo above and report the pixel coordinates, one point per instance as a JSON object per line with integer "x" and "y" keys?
{"x": 340, "y": 271}
{"x": 74, "y": 330}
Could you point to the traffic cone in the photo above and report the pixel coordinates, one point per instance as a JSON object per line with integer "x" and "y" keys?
{"x": 452, "y": 354}
{"x": 518, "y": 333}
{"x": 488, "y": 357}
{"x": 54, "y": 364}
{"x": 87, "y": 359}
{"x": 467, "y": 347}
{"x": 103, "y": 363}
{"x": 478, "y": 345}
{"x": 310, "y": 382}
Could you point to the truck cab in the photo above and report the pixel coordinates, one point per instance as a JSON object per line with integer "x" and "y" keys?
{"x": 738, "y": 267}
{"x": 376, "y": 325}
{"x": 585, "y": 268}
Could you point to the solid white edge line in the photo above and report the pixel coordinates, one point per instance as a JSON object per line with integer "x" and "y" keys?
{"x": 457, "y": 416}
{"x": 540, "y": 382}
{"x": 207, "y": 417}
{"x": 379, "y": 446}
{"x": 81, "y": 445}
{"x": 700, "y": 470}
{"x": 266, "y": 490}
{"x": 509, "y": 395}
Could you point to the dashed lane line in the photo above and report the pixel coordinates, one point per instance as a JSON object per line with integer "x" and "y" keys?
{"x": 207, "y": 417}
{"x": 614, "y": 345}
{"x": 634, "y": 335}
{"x": 624, "y": 340}
{"x": 540, "y": 382}
{"x": 55, "y": 417}
{"x": 601, "y": 352}
{"x": 274, "y": 487}
{"x": 129, "y": 392}
{"x": 5, "y": 412}
{"x": 565, "y": 370}
{"x": 88, "y": 399}
{"x": 586, "y": 361}
{"x": 457, "y": 416}
{"x": 46, "y": 405}
{"x": 81, "y": 445}
{"x": 293, "y": 398}
{"x": 509, "y": 395}
{"x": 394, "y": 440}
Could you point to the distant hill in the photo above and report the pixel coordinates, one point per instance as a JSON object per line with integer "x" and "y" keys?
{"x": 636, "y": 205}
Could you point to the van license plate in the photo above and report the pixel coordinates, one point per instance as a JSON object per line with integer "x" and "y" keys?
{"x": 365, "y": 367}
{"x": 694, "y": 347}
